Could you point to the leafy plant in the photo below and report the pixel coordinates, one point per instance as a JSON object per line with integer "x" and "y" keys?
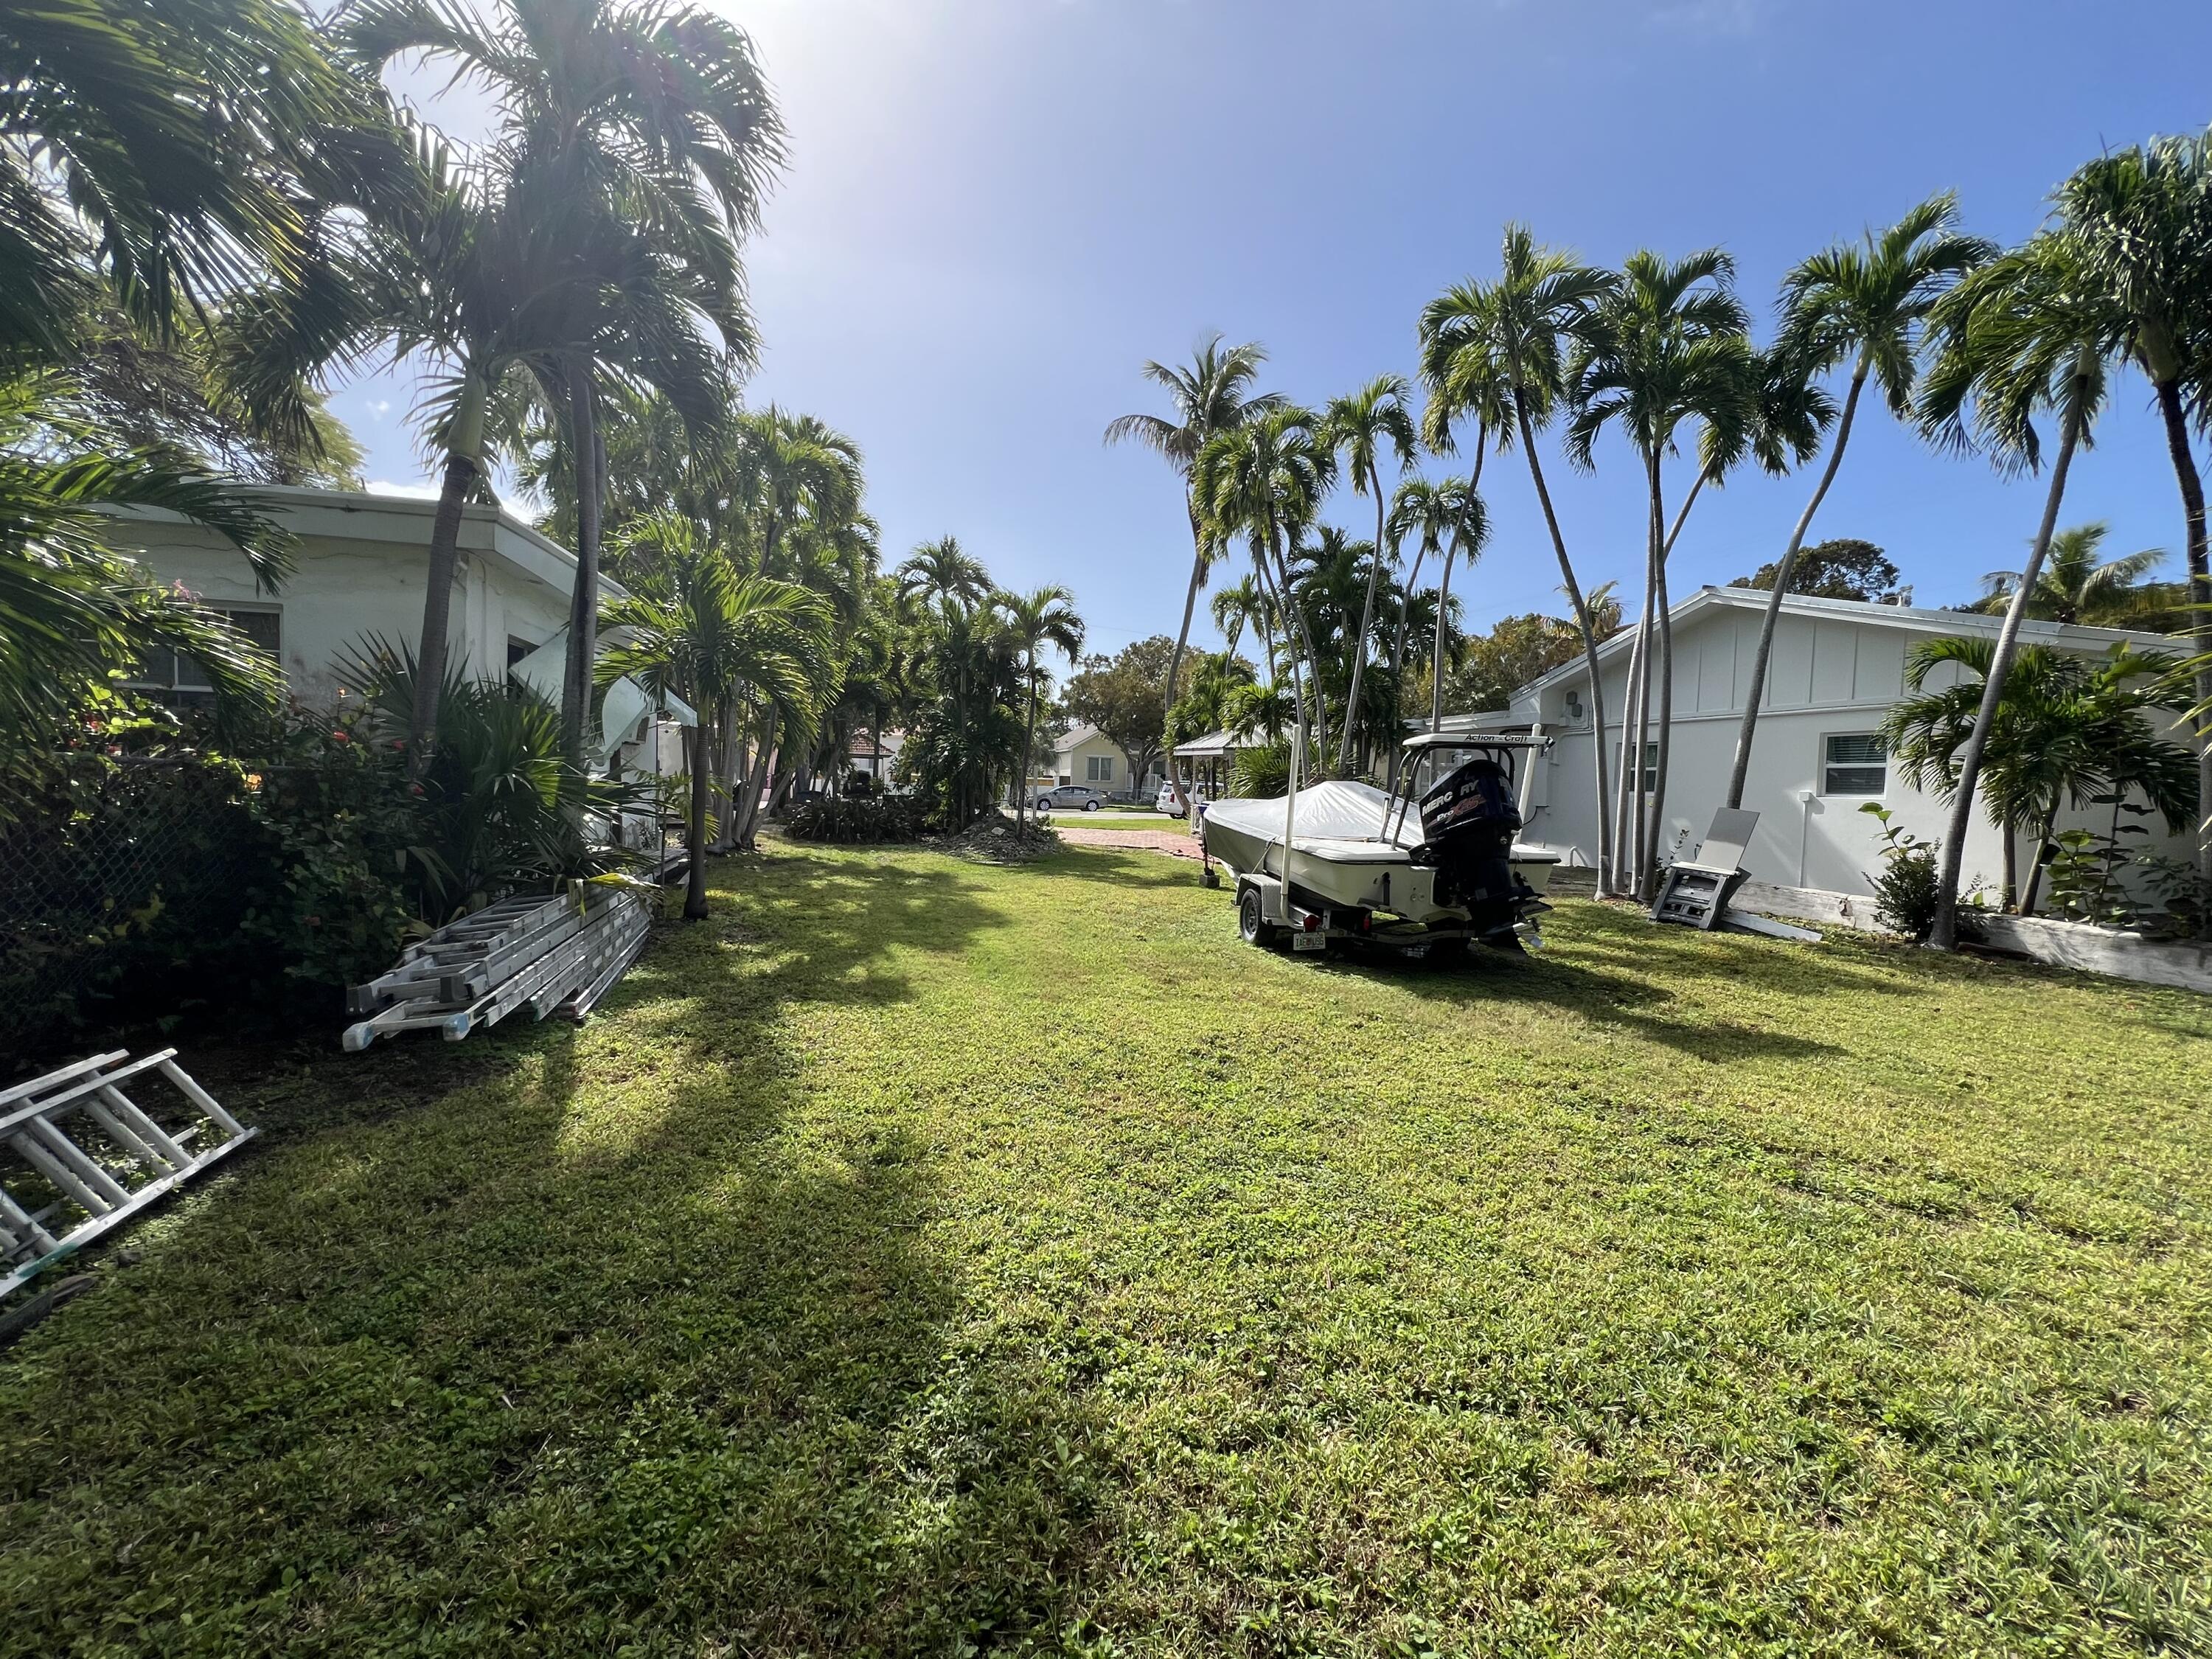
{"x": 1906, "y": 890}
{"x": 1261, "y": 773}
{"x": 857, "y": 820}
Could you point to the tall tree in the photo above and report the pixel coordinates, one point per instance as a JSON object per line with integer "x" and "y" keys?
{"x": 2078, "y": 586}
{"x": 937, "y": 571}
{"x": 658, "y": 117}
{"x": 1667, "y": 343}
{"x": 1042, "y": 616}
{"x": 2140, "y": 221}
{"x": 1264, "y": 478}
{"x": 1866, "y": 302}
{"x": 2019, "y": 335}
{"x": 1369, "y": 427}
{"x": 1495, "y": 349}
{"x": 1212, "y": 395}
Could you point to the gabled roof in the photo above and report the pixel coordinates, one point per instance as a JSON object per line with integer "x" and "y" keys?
{"x": 1075, "y": 737}
{"x": 1912, "y": 619}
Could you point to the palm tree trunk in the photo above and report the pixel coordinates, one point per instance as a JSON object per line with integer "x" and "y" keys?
{"x": 1198, "y": 563}
{"x": 1606, "y": 873}
{"x": 752, "y": 782}
{"x": 2044, "y": 849}
{"x": 1398, "y": 647}
{"x": 584, "y": 602}
{"x": 1028, "y": 744}
{"x": 695, "y": 879}
{"x": 1628, "y": 810}
{"x": 1787, "y": 568}
{"x": 1944, "y": 935}
{"x": 2199, "y": 592}
{"x": 1366, "y": 626}
{"x": 2008, "y": 899}
{"x": 1656, "y": 812}
{"x": 1437, "y": 645}
{"x": 1319, "y": 724}
{"x": 437, "y": 609}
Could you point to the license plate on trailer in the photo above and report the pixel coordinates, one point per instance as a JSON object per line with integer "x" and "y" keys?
{"x": 1316, "y": 941}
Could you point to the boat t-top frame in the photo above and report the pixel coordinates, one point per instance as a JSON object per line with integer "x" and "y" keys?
{"x": 1504, "y": 744}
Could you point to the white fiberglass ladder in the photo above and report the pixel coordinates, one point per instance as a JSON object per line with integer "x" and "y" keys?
{"x": 82, "y": 1148}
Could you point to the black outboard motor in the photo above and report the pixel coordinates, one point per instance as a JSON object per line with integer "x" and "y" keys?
{"x": 1468, "y": 821}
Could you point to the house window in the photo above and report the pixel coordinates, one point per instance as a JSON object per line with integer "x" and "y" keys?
{"x": 179, "y": 672}
{"x": 1854, "y": 763}
{"x": 1098, "y": 768}
{"x": 517, "y": 649}
{"x": 1650, "y": 765}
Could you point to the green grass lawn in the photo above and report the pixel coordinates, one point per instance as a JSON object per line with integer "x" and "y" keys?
{"x": 927, "y": 1258}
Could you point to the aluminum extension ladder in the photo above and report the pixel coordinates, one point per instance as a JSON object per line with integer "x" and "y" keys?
{"x": 87, "y": 1147}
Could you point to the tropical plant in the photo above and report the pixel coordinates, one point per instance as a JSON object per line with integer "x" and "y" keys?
{"x": 938, "y": 572}
{"x": 1243, "y": 605}
{"x": 1493, "y": 352}
{"x": 2017, "y": 337}
{"x": 1264, "y": 478}
{"x": 711, "y": 635}
{"x": 1905, "y": 890}
{"x": 1668, "y": 342}
{"x": 1212, "y": 395}
{"x": 1217, "y": 683}
{"x": 1868, "y": 302}
{"x": 2077, "y": 587}
{"x": 1044, "y": 617}
{"x": 2067, "y": 730}
{"x": 651, "y": 119}
{"x": 1369, "y": 427}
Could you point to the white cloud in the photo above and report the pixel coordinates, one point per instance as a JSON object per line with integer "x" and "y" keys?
{"x": 379, "y": 407}
{"x": 417, "y": 491}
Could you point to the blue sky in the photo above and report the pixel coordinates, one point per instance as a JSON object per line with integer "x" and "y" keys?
{"x": 997, "y": 210}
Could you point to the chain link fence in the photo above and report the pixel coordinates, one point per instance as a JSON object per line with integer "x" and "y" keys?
{"x": 118, "y": 887}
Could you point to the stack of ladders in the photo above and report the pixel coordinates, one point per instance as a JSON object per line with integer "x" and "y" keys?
{"x": 82, "y": 1148}
{"x": 1695, "y": 893}
{"x": 552, "y": 955}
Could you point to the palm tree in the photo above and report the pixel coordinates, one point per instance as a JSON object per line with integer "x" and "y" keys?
{"x": 792, "y": 467}
{"x": 1419, "y": 507}
{"x": 496, "y": 279}
{"x": 2066, "y": 729}
{"x": 1265, "y": 478}
{"x": 2076, "y": 586}
{"x": 2141, "y": 223}
{"x": 1666, "y": 343}
{"x": 1212, "y": 395}
{"x": 1494, "y": 350}
{"x": 2018, "y": 336}
{"x": 707, "y": 635}
{"x": 1044, "y": 616}
{"x": 1868, "y": 302}
{"x": 1363, "y": 425}
{"x": 654, "y": 116}
{"x": 1242, "y": 605}
{"x": 1466, "y": 528}
{"x": 936, "y": 572}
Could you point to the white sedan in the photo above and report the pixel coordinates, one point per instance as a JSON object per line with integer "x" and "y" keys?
{"x": 1168, "y": 804}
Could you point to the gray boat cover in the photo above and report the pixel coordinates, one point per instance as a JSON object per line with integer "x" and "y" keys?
{"x": 1326, "y": 811}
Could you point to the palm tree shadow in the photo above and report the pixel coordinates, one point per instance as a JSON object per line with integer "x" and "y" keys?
{"x": 709, "y": 1356}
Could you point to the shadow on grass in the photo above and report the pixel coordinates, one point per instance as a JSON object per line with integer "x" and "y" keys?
{"x": 602, "y": 1347}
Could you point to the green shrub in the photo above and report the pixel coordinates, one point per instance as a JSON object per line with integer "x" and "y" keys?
{"x": 1906, "y": 890}
{"x": 852, "y": 820}
{"x": 1261, "y": 773}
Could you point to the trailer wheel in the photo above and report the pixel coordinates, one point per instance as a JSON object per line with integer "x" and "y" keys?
{"x": 1252, "y": 926}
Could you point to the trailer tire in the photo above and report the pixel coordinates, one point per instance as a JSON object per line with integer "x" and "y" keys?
{"x": 1252, "y": 926}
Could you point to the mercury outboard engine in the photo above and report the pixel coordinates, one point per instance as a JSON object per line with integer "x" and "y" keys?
{"x": 1468, "y": 821}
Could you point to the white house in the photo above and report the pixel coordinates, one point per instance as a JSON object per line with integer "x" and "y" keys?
{"x": 1087, "y": 755}
{"x": 361, "y": 563}
{"x": 1838, "y": 667}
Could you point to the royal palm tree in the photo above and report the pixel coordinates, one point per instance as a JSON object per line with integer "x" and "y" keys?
{"x": 1264, "y": 477}
{"x": 2140, "y": 222}
{"x": 709, "y": 635}
{"x": 1042, "y": 616}
{"x": 1667, "y": 343}
{"x": 1866, "y": 302}
{"x": 1212, "y": 395}
{"x": 1494, "y": 350}
{"x": 653, "y": 117}
{"x": 1369, "y": 427}
{"x": 2077, "y": 587}
{"x": 1243, "y": 605}
{"x": 2017, "y": 337}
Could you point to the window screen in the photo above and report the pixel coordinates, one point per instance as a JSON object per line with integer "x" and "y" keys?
{"x": 1854, "y": 763}
{"x": 164, "y": 670}
{"x": 1100, "y": 768}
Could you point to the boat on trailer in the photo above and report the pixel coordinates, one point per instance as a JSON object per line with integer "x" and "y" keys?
{"x": 1423, "y": 871}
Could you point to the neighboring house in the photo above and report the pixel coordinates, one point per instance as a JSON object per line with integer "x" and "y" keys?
{"x": 1837, "y": 669}
{"x": 867, "y": 753}
{"x": 360, "y": 562}
{"x": 1087, "y": 755}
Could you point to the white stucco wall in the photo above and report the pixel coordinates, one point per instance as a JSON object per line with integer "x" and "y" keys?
{"x": 361, "y": 563}
{"x": 1831, "y": 674}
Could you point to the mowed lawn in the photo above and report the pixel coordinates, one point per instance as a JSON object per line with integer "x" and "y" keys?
{"x": 925, "y": 1257}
